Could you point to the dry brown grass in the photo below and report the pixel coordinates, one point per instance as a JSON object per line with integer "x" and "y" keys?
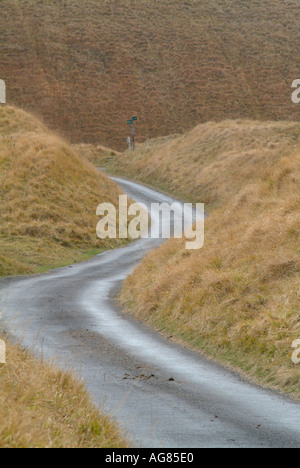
{"x": 48, "y": 195}
{"x": 86, "y": 66}
{"x": 237, "y": 299}
{"x": 211, "y": 163}
{"x": 41, "y": 406}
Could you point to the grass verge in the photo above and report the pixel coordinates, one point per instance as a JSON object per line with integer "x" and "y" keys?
{"x": 42, "y": 407}
{"x": 237, "y": 299}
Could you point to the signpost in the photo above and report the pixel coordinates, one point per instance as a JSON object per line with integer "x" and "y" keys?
{"x": 2, "y": 92}
{"x": 131, "y": 122}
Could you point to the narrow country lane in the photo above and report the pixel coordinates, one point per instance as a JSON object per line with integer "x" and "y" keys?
{"x": 162, "y": 394}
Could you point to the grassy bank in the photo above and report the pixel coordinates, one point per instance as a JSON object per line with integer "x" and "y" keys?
{"x": 211, "y": 163}
{"x": 43, "y": 407}
{"x": 237, "y": 299}
{"x": 49, "y": 195}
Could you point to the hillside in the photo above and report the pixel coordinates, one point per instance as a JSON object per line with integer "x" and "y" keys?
{"x": 209, "y": 164}
{"x": 237, "y": 299}
{"x": 48, "y": 195}
{"x": 87, "y": 66}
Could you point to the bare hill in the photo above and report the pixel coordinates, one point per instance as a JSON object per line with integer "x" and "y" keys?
{"x": 86, "y": 66}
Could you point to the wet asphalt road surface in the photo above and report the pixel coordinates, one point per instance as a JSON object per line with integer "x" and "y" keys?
{"x": 161, "y": 394}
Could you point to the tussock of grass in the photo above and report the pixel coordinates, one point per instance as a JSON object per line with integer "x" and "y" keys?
{"x": 237, "y": 299}
{"x": 87, "y": 66}
{"x": 48, "y": 195}
{"x": 44, "y": 407}
{"x": 212, "y": 162}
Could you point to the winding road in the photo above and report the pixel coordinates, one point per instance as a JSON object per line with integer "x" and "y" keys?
{"x": 162, "y": 394}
